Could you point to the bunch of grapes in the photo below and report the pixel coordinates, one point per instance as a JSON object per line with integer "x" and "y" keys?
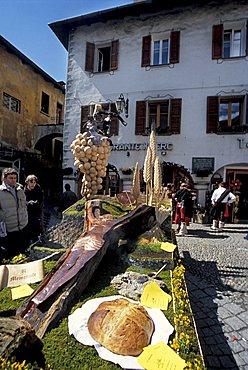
{"x": 91, "y": 157}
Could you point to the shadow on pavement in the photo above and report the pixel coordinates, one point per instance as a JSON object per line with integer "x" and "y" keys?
{"x": 211, "y": 234}
{"x": 202, "y": 293}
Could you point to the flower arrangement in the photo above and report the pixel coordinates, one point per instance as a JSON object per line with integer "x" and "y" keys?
{"x": 185, "y": 342}
{"x": 9, "y": 365}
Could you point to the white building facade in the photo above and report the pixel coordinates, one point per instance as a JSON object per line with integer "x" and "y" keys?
{"x": 184, "y": 69}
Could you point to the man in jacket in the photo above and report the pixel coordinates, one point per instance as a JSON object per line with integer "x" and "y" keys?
{"x": 68, "y": 198}
{"x": 220, "y": 199}
{"x": 13, "y": 212}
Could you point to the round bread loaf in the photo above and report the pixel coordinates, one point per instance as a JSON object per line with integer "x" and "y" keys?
{"x": 122, "y": 327}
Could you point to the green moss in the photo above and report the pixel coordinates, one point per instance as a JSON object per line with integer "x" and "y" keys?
{"x": 109, "y": 206}
{"x": 7, "y": 305}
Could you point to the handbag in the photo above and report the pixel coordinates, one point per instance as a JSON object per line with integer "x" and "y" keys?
{"x": 3, "y": 231}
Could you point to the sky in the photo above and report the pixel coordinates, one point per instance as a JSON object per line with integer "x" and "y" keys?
{"x": 24, "y": 23}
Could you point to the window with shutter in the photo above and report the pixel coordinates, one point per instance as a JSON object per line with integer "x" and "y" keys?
{"x": 164, "y": 116}
{"x": 230, "y": 40}
{"x": 226, "y": 114}
{"x": 161, "y": 49}
{"x": 102, "y": 57}
{"x": 87, "y": 110}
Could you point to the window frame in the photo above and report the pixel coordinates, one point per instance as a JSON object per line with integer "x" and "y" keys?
{"x": 229, "y": 101}
{"x": 96, "y": 57}
{"x": 92, "y": 56}
{"x": 173, "y": 48}
{"x": 160, "y": 39}
{"x": 7, "y": 98}
{"x": 219, "y": 42}
{"x": 149, "y": 122}
{"x": 214, "y": 124}
{"x": 47, "y": 103}
{"x": 142, "y": 123}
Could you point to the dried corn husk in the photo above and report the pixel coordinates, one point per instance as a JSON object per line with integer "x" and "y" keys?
{"x": 136, "y": 182}
{"x": 153, "y": 147}
{"x": 157, "y": 178}
{"x": 147, "y": 173}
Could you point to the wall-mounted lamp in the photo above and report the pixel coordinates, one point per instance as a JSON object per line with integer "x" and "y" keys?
{"x": 122, "y": 105}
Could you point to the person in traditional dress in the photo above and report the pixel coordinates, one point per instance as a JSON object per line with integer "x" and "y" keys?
{"x": 221, "y": 199}
{"x": 184, "y": 209}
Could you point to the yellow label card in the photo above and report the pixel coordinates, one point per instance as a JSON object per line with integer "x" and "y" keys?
{"x": 21, "y": 291}
{"x": 153, "y": 296}
{"x": 160, "y": 357}
{"x": 168, "y": 247}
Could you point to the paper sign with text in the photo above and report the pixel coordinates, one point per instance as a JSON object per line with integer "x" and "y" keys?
{"x": 168, "y": 247}
{"x": 154, "y": 297}
{"x": 160, "y": 357}
{"x": 21, "y": 291}
{"x": 19, "y": 274}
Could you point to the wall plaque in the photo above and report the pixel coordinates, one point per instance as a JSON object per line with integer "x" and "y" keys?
{"x": 202, "y": 164}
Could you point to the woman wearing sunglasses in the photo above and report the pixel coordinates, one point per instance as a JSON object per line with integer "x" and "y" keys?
{"x": 35, "y": 198}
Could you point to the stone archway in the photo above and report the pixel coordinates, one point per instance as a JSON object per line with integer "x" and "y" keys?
{"x": 51, "y": 177}
{"x": 175, "y": 174}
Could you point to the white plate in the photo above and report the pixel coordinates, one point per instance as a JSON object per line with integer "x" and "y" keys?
{"x": 77, "y": 324}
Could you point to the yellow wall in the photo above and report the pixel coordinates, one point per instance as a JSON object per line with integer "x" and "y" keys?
{"x": 23, "y": 83}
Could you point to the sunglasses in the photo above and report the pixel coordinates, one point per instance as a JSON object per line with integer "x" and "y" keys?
{"x": 32, "y": 180}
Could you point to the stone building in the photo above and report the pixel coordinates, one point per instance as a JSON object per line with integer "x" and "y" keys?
{"x": 183, "y": 67}
{"x": 31, "y": 118}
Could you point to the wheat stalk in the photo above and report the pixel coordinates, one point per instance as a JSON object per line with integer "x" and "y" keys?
{"x": 147, "y": 173}
{"x": 157, "y": 179}
{"x": 153, "y": 146}
{"x": 136, "y": 182}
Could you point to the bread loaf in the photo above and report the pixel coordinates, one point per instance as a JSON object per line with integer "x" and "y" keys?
{"x": 122, "y": 327}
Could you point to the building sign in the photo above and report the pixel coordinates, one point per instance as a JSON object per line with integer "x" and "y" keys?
{"x": 142, "y": 146}
{"x": 242, "y": 144}
{"x": 202, "y": 164}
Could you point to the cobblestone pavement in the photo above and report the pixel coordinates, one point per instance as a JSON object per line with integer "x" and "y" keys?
{"x": 217, "y": 280}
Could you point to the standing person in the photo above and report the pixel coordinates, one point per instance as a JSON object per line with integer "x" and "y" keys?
{"x": 68, "y": 198}
{"x": 35, "y": 199}
{"x": 220, "y": 199}
{"x": 13, "y": 212}
{"x": 184, "y": 208}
